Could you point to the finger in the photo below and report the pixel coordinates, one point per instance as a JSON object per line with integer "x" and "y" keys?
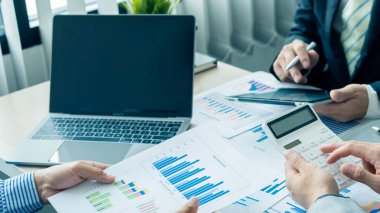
{"x": 295, "y": 161}
{"x": 328, "y": 148}
{"x": 343, "y": 94}
{"x": 97, "y": 164}
{"x": 191, "y": 206}
{"x": 280, "y": 71}
{"x": 301, "y": 52}
{"x": 85, "y": 171}
{"x": 332, "y": 111}
{"x": 359, "y": 174}
{"x": 294, "y": 72}
{"x": 314, "y": 58}
{"x": 356, "y": 149}
{"x": 368, "y": 166}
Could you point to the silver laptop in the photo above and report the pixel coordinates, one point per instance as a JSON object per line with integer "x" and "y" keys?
{"x": 119, "y": 85}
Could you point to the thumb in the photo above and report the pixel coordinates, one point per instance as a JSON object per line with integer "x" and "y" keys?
{"x": 359, "y": 174}
{"x": 191, "y": 206}
{"x": 295, "y": 160}
{"x": 343, "y": 94}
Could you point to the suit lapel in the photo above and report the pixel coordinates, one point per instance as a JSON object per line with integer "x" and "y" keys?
{"x": 331, "y": 10}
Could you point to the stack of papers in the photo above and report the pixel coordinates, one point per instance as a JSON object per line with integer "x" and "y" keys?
{"x": 228, "y": 162}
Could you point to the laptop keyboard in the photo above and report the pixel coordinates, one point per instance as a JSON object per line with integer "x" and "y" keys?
{"x": 107, "y": 130}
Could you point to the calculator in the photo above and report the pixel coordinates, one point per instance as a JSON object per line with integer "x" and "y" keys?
{"x": 301, "y": 130}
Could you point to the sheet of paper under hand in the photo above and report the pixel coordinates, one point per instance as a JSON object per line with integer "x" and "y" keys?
{"x": 161, "y": 179}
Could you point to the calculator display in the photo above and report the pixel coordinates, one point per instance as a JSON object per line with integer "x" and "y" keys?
{"x": 291, "y": 122}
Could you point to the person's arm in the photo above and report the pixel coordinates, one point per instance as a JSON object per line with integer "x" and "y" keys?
{"x": 335, "y": 204}
{"x": 373, "y": 110}
{"x": 376, "y": 86}
{"x": 19, "y": 194}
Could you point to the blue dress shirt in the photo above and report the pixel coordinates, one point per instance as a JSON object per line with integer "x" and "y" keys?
{"x": 19, "y": 194}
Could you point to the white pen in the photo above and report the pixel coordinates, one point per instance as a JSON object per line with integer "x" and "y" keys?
{"x": 296, "y": 60}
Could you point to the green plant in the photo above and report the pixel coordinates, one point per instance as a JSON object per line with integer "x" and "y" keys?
{"x": 150, "y": 6}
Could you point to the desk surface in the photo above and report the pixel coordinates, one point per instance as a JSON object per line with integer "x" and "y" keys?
{"x": 21, "y": 111}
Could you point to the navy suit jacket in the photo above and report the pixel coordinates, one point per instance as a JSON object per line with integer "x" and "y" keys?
{"x": 314, "y": 22}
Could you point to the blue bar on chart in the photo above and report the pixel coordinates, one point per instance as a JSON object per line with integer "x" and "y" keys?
{"x": 295, "y": 208}
{"x": 277, "y": 187}
{"x": 338, "y": 127}
{"x": 259, "y": 130}
{"x": 187, "y": 177}
{"x": 257, "y": 86}
{"x": 247, "y": 201}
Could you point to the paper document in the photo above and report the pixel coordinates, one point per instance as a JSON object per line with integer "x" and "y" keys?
{"x": 257, "y": 147}
{"x": 161, "y": 179}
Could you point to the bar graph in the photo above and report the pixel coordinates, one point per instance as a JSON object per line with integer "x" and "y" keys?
{"x": 227, "y": 113}
{"x": 364, "y": 196}
{"x": 250, "y": 85}
{"x": 187, "y": 176}
{"x": 276, "y": 187}
{"x": 148, "y": 207}
{"x": 100, "y": 201}
{"x": 259, "y": 131}
{"x": 130, "y": 189}
{"x": 287, "y": 205}
{"x": 338, "y": 127}
{"x": 247, "y": 201}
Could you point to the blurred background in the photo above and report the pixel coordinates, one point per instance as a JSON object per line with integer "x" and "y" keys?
{"x": 245, "y": 33}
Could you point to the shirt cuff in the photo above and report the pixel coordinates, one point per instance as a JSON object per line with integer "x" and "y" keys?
{"x": 21, "y": 194}
{"x": 333, "y": 203}
{"x": 373, "y": 110}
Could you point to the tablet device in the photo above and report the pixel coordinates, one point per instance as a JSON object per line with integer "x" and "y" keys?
{"x": 287, "y": 96}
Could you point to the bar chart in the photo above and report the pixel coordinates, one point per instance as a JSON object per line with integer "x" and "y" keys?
{"x": 364, "y": 196}
{"x": 130, "y": 190}
{"x": 100, "y": 201}
{"x": 183, "y": 174}
{"x": 258, "y": 130}
{"x": 274, "y": 188}
{"x": 338, "y": 127}
{"x": 227, "y": 113}
{"x": 203, "y": 176}
{"x": 287, "y": 205}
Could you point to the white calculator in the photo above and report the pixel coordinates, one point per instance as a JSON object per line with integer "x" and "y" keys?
{"x": 301, "y": 130}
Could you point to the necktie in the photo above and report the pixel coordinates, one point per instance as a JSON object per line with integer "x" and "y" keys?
{"x": 355, "y": 16}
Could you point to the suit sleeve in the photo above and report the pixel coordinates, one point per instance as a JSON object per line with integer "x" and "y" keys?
{"x": 376, "y": 87}
{"x": 335, "y": 204}
{"x": 305, "y": 29}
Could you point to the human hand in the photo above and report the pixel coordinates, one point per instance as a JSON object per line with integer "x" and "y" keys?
{"x": 306, "y": 181}
{"x": 191, "y": 206}
{"x": 308, "y": 59}
{"x": 57, "y": 178}
{"x": 351, "y": 102}
{"x": 369, "y": 172}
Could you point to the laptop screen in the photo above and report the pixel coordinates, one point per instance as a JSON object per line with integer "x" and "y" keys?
{"x": 123, "y": 65}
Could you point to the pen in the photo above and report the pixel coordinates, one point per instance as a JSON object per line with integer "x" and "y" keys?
{"x": 377, "y": 129}
{"x": 296, "y": 60}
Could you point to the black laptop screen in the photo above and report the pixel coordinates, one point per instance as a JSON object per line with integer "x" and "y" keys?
{"x": 123, "y": 65}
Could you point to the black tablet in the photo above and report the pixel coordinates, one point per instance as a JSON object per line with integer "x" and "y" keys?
{"x": 287, "y": 97}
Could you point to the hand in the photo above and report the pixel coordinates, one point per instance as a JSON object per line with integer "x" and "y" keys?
{"x": 369, "y": 172}
{"x": 191, "y": 206}
{"x": 351, "y": 102}
{"x": 305, "y": 181}
{"x": 308, "y": 59}
{"x": 57, "y": 178}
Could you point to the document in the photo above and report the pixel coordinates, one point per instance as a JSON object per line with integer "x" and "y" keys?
{"x": 257, "y": 147}
{"x": 161, "y": 179}
{"x": 231, "y": 118}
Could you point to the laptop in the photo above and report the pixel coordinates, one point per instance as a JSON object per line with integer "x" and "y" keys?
{"x": 119, "y": 84}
